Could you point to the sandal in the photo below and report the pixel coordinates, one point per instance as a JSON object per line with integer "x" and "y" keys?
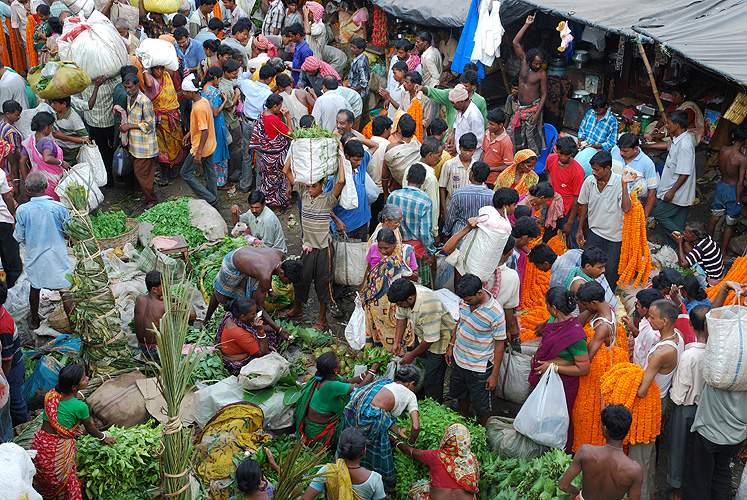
{"x": 287, "y": 315}
{"x": 320, "y": 326}
{"x": 335, "y": 310}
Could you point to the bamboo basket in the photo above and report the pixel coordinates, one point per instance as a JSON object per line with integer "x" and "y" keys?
{"x": 130, "y": 236}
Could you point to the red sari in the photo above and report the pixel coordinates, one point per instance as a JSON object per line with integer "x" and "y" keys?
{"x": 269, "y": 140}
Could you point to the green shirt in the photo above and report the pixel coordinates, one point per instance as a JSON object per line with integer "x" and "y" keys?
{"x": 331, "y": 397}
{"x": 70, "y": 412}
{"x": 441, "y": 96}
{"x": 577, "y": 349}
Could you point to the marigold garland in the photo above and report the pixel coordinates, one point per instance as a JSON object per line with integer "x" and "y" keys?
{"x": 737, "y": 273}
{"x": 557, "y": 243}
{"x": 30, "y": 29}
{"x": 416, "y": 111}
{"x": 620, "y": 386}
{"x": 635, "y": 257}
{"x": 536, "y": 241}
{"x": 536, "y": 285}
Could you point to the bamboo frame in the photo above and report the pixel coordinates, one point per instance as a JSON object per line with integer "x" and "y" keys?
{"x": 653, "y": 81}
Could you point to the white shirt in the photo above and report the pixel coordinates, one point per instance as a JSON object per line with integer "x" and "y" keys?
{"x": 432, "y": 68}
{"x": 391, "y": 83}
{"x": 646, "y": 338}
{"x": 13, "y": 87}
{"x": 404, "y": 399}
{"x": 19, "y": 19}
{"x": 326, "y": 109}
{"x": 688, "y": 381}
{"x": 4, "y": 212}
{"x": 680, "y": 161}
{"x": 377, "y": 159}
{"x": 605, "y": 213}
{"x": 257, "y": 62}
{"x": 508, "y": 295}
{"x": 353, "y": 98}
{"x": 469, "y": 121}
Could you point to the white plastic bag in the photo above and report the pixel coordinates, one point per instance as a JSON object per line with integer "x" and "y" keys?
{"x": 93, "y": 44}
{"x": 277, "y": 414}
{"x": 80, "y": 174}
{"x": 544, "y": 416}
{"x": 78, "y": 6}
{"x": 726, "y": 347}
{"x": 208, "y": 400}
{"x": 513, "y": 377}
{"x": 372, "y": 190}
{"x": 313, "y": 159}
{"x": 742, "y": 491}
{"x": 16, "y": 481}
{"x": 482, "y": 248}
{"x": 350, "y": 261}
{"x": 355, "y": 331}
{"x": 349, "y": 195}
{"x": 90, "y": 154}
{"x": 156, "y": 52}
{"x": 263, "y": 372}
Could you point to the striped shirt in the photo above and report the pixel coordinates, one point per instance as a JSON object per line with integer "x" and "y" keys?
{"x": 418, "y": 216}
{"x": 273, "y": 18}
{"x": 101, "y": 116}
{"x": 477, "y": 333}
{"x": 430, "y": 319}
{"x": 465, "y": 203}
{"x": 708, "y": 255}
{"x": 10, "y": 134}
{"x": 142, "y": 140}
{"x": 316, "y": 215}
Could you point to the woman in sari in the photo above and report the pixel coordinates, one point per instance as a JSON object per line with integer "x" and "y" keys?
{"x": 54, "y": 442}
{"x": 323, "y": 398}
{"x": 210, "y": 47}
{"x": 238, "y": 337}
{"x": 159, "y": 88}
{"x": 454, "y": 470}
{"x": 390, "y": 217}
{"x": 564, "y": 344}
{"x": 519, "y": 175}
{"x": 352, "y": 22}
{"x": 387, "y": 260}
{"x": 43, "y": 152}
{"x": 270, "y": 140}
{"x": 375, "y": 408}
{"x": 210, "y": 84}
{"x": 347, "y": 479}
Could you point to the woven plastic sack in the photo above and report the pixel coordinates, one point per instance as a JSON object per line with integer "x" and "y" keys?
{"x": 350, "y": 261}
{"x": 726, "y": 351}
{"x": 263, "y": 372}
{"x": 482, "y": 248}
{"x": 90, "y": 155}
{"x": 83, "y": 175}
{"x": 41, "y": 380}
{"x": 313, "y": 159}
{"x": 154, "y": 52}
{"x": 513, "y": 377}
{"x": 544, "y": 416}
{"x": 355, "y": 331}
{"x": 94, "y": 44}
{"x": 86, "y": 7}
{"x": 16, "y": 481}
{"x": 508, "y": 443}
{"x": 160, "y": 6}
{"x": 67, "y": 79}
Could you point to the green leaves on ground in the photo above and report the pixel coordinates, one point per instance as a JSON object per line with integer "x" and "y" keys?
{"x": 108, "y": 224}
{"x": 172, "y": 218}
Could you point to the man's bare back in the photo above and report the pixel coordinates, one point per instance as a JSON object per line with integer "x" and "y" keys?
{"x": 608, "y": 474}
{"x": 148, "y": 312}
{"x": 732, "y": 164}
{"x": 258, "y": 263}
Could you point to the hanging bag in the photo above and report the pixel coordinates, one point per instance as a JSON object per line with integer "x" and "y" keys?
{"x": 726, "y": 351}
{"x": 544, "y": 417}
{"x": 350, "y": 261}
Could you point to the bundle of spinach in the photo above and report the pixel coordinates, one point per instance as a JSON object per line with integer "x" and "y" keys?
{"x": 313, "y": 132}
{"x": 210, "y": 366}
{"x": 172, "y": 218}
{"x": 108, "y": 224}
{"x": 304, "y": 336}
{"x": 123, "y": 470}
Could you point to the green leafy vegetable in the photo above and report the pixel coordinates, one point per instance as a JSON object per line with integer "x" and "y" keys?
{"x": 207, "y": 262}
{"x": 172, "y": 218}
{"x": 313, "y": 132}
{"x": 108, "y": 224}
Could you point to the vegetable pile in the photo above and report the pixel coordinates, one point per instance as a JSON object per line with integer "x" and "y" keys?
{"x": 209, "y": 367}
{"x": 347, "y": 358}
{"x": 172, "y": 218}
{"x": 305, "y": 337}
{"x": 124, "y": 470}
{"x": 280, "y": 446}
{"x": 516, "y": 478}
{"x": 207, "y": 263}
{"x": 313, "y": 132}
{"x": 108, "y": 224}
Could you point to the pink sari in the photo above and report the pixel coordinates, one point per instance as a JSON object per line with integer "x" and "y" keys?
{"x": 53, "y": 173}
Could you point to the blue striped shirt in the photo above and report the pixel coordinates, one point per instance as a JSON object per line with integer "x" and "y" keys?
{"x": 465, "y": 203}
{"x": 477, "y": 333}
{"x": 418, "y": 219}
{"x": 602, "y": 132}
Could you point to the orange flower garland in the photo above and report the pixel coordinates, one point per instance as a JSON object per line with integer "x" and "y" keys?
{"x": 635, "y": 257}
{"x": 737, "y": 273}
{"x": 620, "y": 386}
{"x": 536, "y": 285}
{"x": 536, "y": 241}
{"x": 557, "y": 243}
{"x": 416, "y": 111}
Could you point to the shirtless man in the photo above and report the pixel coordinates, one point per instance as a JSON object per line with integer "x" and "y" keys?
{"x": 149, "y": 310}
{"x": 728, "y": 199}
{"x": 608, "y": 473}
{"x": 248, "y": 271}
{"x": 528, "y": 128}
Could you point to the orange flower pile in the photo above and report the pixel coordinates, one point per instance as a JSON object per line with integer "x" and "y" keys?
{"x": 557, "y": 243}
{"x": 635, "y": 257}
{"x": 587, "y": 413}
{"x": 536, "y": 285}
{"x": 416, "y": 111}
{"x": 737, "y": 273}
{"x": 620, "y": 386}
{"x": 536, "y": 241}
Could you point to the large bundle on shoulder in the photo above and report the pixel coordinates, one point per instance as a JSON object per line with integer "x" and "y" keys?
{"x": 57, "y": 80}
{"x": 482, "y": 248}
{"x": 93, "y": 44}
{"x": 314, "y": 155}
{"x": 160, "y": 6}
{"x": 155, "y": 52}
{"x": 725, "y": 366}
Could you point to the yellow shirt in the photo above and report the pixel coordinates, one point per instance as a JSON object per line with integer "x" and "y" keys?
{"x": 201, "y": 119}
{"x": 444, "y": 158}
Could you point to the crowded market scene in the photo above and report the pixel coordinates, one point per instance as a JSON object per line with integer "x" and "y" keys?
{"x": 522, "y": 220}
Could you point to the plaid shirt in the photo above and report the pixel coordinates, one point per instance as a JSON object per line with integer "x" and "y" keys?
{"x": 273, "y": 18}
{"x": 602, "y": 132}
{"x": 152, "y": 28}
{"x": 418, "y": 220}
{"x": 10, "y": 134}
{"x": 101, "y": 116}
{"x": 430, "y": 319}
{"x": 143, "y": 142}
{"x": 360, "y": 73}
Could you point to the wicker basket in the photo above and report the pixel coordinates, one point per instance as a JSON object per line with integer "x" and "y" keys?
{"x": 130, "y": 236}
{"x": 59, "y": 321}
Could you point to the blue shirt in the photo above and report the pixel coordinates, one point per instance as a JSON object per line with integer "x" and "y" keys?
{"x": 255, "y": 95}
{"x": 417, "y": 222}
{"x": 466, "y": 202}
{"x": 644, "y": 169}
{"x": 602, "y": 132}
{"x": 39, "y": 224}
{"x": 194, "y": 55}
{"x": 355, "y": 218}
{"x": 299, "y": 56}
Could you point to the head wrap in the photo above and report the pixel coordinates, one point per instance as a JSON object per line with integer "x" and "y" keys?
{"x": 522, "y": 155}
{"x": 316, "y": 10}
{"x": 458, "y": 94}
{"x": 456, "y": 456}
{"x": 262, "y": 43}
{"x": 412, "y": 62}
{"x": 311, "y": 63}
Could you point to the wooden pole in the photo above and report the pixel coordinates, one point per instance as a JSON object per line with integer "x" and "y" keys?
{"x": 653, "y": 81}
{"x": 505, "y": 78}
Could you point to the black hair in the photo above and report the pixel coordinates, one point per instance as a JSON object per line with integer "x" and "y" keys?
{"x": 225, "y": 50}
{"x": 414, "y": 77}
{"x": 306, "y": 121}
{"x": 240, "y": 306}
{"x": 693, "y": 290}
{"x": 63, "y": 100}
{"x": 273, "y": 100}
{"x": 68, "y": 377}
{"x": 698, "y": 229}
{"x": 330, "y": 82}
{"x": 698, "y": 317}
{"x": 293, "y": 270}
{"x": 628, "y": 140}
{"x": 534, "y": 53}
{"x": 468, "y": 286}
{"x": 525, "y": 226}
{"x": 43, "y": 10}
{"x": 438, "y": 126}
{"x": 55, "y": 26}
{"x": 354, "y": 148}
{"x": 590, "y": 291}
{"x": 480, "y": 171}
{"x": 386, "y": 235}
{"x": 180, "y": 33}
{"x": 468, "y": 76}
{"x": 601, "y": 158}
{"x": 352, "y": 443}
{"x": 542, "y": 253}
{"x": 212, "y": 73}
{"x": 358, "y": 42}
{"x": 230, "y": 66}
{"x": 566, "y": 145}
{"x": 400, "y": 66}
{"x": 497, "y": 115}
{"x": 407, "y": 125}
{"x": 739, "y": 133}
{"x": 425, "y": 36}
{"x": 401, "y": 290}
{"x": 41, "y": 120}
{"x": 430, "y": 145}
{"x": 152, "y": 280}
{"x": 648, "y": 296}
{"x": 212, "y": 44}
{"x": 668, "y": 309}
{"x": 403, "y": 43}
{"x": 215, "y": 24}
{"x": 266, "y": 72}
{"x": 504, "y": 197}
{"x": 522, "y": 211}
{"x": 407, "y": 373}
{"x": 416, "y": 174}
{"x": 179, "y": 20}
{"x": 380, "y": 124}
{"x": 470, "y": 66}
{"x": 256, "y": 196}
{"x": 509, "y": 246}
{"x": 562, "y": 298}
{"x": 248, "y": 476}
{"x": 283, "y": 80}
{"x": 3, "y": 292}
{"x": 666, "y": 278}
{"x": 599, "y": 101}
{"x": 349, "y": 116}
{"x": 130, "y": 78}
{"x": 592, "y": 256}
{"x": 679, "y": 117}
{"x": 11, "y": 106}
{"x": 241, "y": 25}
{"x": 617, "y": 419}
{"x": 296, "y": 29}
{"x": 326, "y": 364}
{"x": 208, "y": 2}
{"x": 542, "y": 190}
{"x": 346, "y": 137}
{"x": 468, "y": 141}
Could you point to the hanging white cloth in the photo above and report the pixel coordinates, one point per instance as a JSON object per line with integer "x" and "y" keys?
{"x": 488, "y": 34}
{"x": 595, "y": 36}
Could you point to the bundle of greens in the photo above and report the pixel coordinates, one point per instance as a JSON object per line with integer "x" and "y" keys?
{"x": 209, "y": 365}
{"x": 206, "y": 263}
{"x": 516, "y": 478}
{"x": 124, "y": 470}
{"x": 172, "y": 218}
{"x": 305, "y": 337}
{"x": 348, "y": 360}
{"x": 313, "y": 132}
{"x": 280, "y": 447}
{"x": 108, "y": 224}
{"x": 375, "y": 354}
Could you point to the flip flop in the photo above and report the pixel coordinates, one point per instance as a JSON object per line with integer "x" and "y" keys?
{"x": 287, "y": 315}
{"x": 320, "y": 326}
{"x": 335, "y": 311}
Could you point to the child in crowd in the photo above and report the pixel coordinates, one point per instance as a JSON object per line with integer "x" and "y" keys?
{"x": 497, "y": 148}
{"x": 693, "y": 295}
{"x": 642, "y": 336}
{"x": 455, "y": 172}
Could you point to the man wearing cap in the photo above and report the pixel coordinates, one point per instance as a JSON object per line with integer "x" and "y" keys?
{"x": 468, "y": 119}
{"x": 201, "y": 135}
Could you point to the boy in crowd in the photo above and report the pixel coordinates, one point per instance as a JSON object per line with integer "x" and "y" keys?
{"x": 360, "y": 70}
{"x": 566, "y": 177}
{"x": 455, "y": 172}
{"x": 438, "y": 129}
{"x": 505, "y": 200}
{"x": 641, "y": 333}
{"x": 497, "y": 148}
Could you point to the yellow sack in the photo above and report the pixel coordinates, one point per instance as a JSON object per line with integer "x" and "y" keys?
{"x": 69, "y": 79}
{"x": 160, "y": 6}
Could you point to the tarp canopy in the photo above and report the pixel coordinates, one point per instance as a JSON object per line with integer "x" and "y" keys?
{"x": 706, "y": 32}
{"x": 448, "y": 13}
